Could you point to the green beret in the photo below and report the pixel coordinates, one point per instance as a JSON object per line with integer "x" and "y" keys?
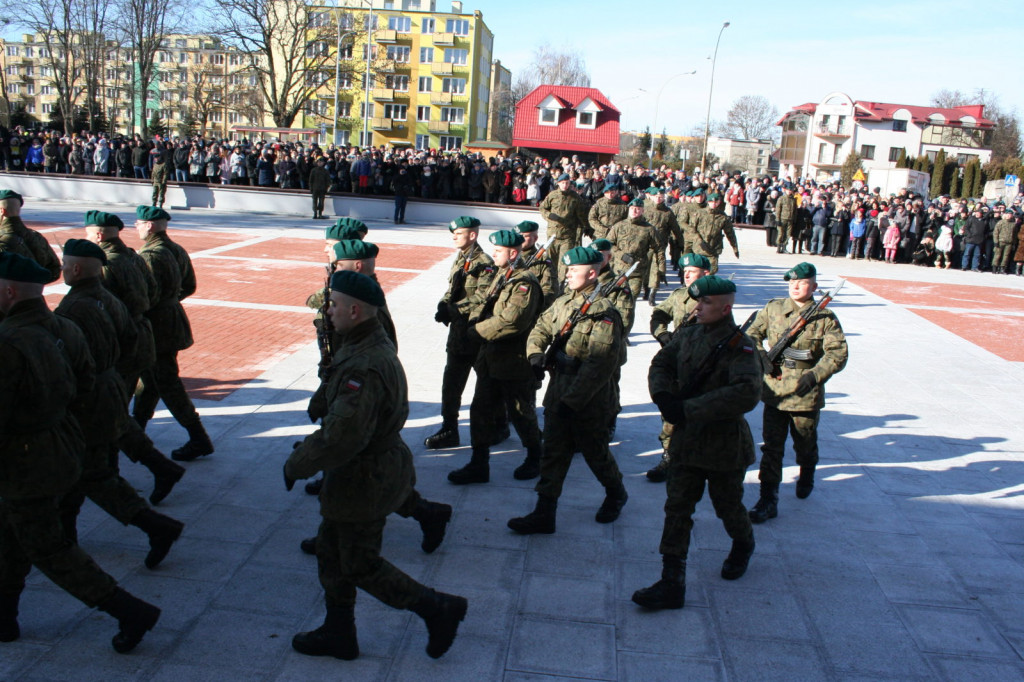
{"x": 507, "y": 238}
{"x": 11, "y": 194}
{"x": 15, "y": 268}
{"x": 563, "y": 176}
{"x": 609, "y": 188}
{"x": 714, "y": 196}
{"x": 354, "y": 249}
{"x": 465, "y": 221}
{"x": 83, "y": 248}
{"x": 694, "y": 260}
{"x": 103, "y": 219}
{"x": 601, "y": 245}
{"x": 711, "y": 285}
{"x": 582, "y": 255}
{"x": 358, "y": 286}
{"x": 652, "y": 190}
{"x": 527, "y": 226}
{"x": 801, "y": 271}
{"x": 150, "y": 213}
{"x": 639, "y": 201}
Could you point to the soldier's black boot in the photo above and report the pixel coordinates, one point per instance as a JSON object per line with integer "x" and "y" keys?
{"x": 659, "y": 472}
{"x": 446, "y": 437}
{"x": 530, "y": 468}
{"x": 477, "y": 471}
{"x": 735, "y": 565}
{"x": 336, "y": 637}
{"x": 134, "y": 618}
{"x": 1020, "y": 269}
{"x": 308, "y": 546}
{"x": 670, "y": 591}
{"x": 805, "y": 484}
{"x": 433, "y": 518}
{"x": 163, "y": 531}
{"x": 314, "y": 486}
{"x": 9, "y": 630}
{"x": 442, "y": 614}
{"x": 540, "y": 520}
{"x": 767, "y": 507}
{"x": 165, "y": 473}
{"x": 198, "y": 445}
{"x": 614, "y": 500}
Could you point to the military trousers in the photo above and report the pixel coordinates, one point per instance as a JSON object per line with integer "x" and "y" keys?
{"x": 101, "y": 482}
{"x": 557, "y": 249}
{"x": 159, "y": 183}
{"x": 31, "y": 535}
{"x": 494, "y": 397}
{"x": 775, "y": 425}
{"x": 565, "y": 436}
{"x": 318, "y": 203}
{"x": 453, "y": 383}
{"x": 1003, "y": 254}
{"x": 348, "y": 556}
{"x": 785, "y": 231}
{"x": 685, "y": 489}
{"x": 133, "y": 441}
{"x": 161, "y": 382}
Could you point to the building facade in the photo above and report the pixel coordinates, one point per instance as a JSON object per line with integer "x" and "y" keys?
{"x": 817, "y": 137}
{"x": 750, "y": 156}
{"x": 564, "y": 120}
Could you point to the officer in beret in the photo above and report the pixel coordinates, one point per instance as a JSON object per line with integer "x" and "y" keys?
{"x": 606, "y": 211}
{"x": 794, "y": 390}
{"x": 504, "y": 380}
{"x": 47, "y": 366}
{"x": 687, "y": 212}
{"x": 634, "y": 239}
{"x": 579, "y": 402}
{"x": 368, "y": 473}
{"x": 16, "y": 237}
{"x": 679, "y": 310}
{"x": 126, "y": 275}
{"x": 470, "y": 276}
{"x": 542, "y": 268}
{"x": 162, "y": 158}
{"x": 622, "y": 298}
{"x": 176, "y": 281}
{"x": 566, "y": 215}
{"x": 703, "y": 382}
{"x": 102, "y": 411}
{"x": 319, "y": 183}
{"x": 711, "y": 227}
{"x": 664, "y": 221}
{"x": 785, "y": 216}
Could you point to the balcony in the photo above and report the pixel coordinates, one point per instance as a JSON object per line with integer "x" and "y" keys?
{"x": 441, "y": 98}
{"x": 381, "y": 123}
{"x": 384, "y": 94}
{"x": 441, "y": 69}
{"x": 824, "y": 130}
{"x": 444, "y": 38}
{"x": 386, "y": 36}
{"x": 438, "y": 126}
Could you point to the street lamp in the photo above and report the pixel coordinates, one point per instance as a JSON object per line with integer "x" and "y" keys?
{"x": 657, "y": 104}
{"x": 711, "y": 87}
{"x": 366, "y": 78}
{"x": 337, "y": 75}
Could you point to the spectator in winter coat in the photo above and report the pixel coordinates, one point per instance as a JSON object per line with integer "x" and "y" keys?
{"x": 973, "y": 241}
{"x": 34, "y": 158}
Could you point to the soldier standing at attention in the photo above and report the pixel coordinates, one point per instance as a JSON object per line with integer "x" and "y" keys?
{"x": 719, "y": 372}
{"x": 161, "y": 169}
{"x": 679, "y": 310}
{"x": 470, "y": 276}
{"x": 176, "y": 281}
{"x": 712, "y": 226}
{"x": 319, "y": 183}
{"x": 46, "y": 366}
{"x": 579, "y": 403}
{"x": 567, "y": 221}
{"x": 541, "y": 268}
{"x": 17, "y": 238}
{"x": 634, "y": 239}
{"x": 664, "y": 221}
{"x": 102, "y": 411}
{"x": 368, "y": 473}
{"x": 126, "y": 276}
{"x": 794, "y": 392}
{"x": 606, "y": 211}
{"x": 785, "y": 216}
{"x": 504, "y": 380}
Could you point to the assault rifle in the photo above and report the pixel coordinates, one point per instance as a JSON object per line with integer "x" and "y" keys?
{"x": 325, "y": 330}
{"x": 708, "y": 366}
{"x": 794, "y": 329}
{"x": 499, "y": 283}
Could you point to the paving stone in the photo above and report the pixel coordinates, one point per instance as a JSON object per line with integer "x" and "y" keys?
{"x": 563, "y": 648}
{"x": 637, "y": 667}
{"x": 568, "y": 598}
{"x": 944, "y": 630}
{"x": 780, "y": 659}
{"x": 688, "y": 631}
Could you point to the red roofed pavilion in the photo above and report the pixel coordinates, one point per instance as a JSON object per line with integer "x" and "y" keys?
{"x": 562, "y": 120}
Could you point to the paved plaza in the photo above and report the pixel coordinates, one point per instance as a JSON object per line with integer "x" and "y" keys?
{"x": 906, "y": 563}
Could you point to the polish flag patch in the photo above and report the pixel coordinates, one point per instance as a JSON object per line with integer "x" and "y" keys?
{"x": 748, "y": 349}
{"x": 608, "y": 320}
{"x": 353, "y": 385}
{"x": 523, "y": 288}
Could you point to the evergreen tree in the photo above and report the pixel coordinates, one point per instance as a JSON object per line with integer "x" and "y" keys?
{"x": 954, "y": 180}
{"x": 968, "y": 180}
{"x": 189, "y": 126}
{"x": 156, "y": 126}
{"x": 643, "y": 143}
{"x": 852, "y": 164}
{"x": 952, "y": 173}
{"x": 938, "y": 173}
{"x": 901, "y": 162}
{"x": 978, "y": 189}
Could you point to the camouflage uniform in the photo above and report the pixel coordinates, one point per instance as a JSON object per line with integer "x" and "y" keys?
{"x": 686, "y": 216}
{"x": 714, "y": 443}
{"x": 544, "y": 271}
{"x": 160, "y": 173}
{"x": 16, "y": 237}
{"x": 669, "y": 234}
{"x": 1002, "y": 234}
{"x": 625, "y": 304}
{"x": 637, "y": 240}
{"x": 567, "y": 223}
{"x": 678, "y": 310}
{"x": 785, "y": 216}
{"x": 604, "y": 214}
{"x": 711, "y": 227}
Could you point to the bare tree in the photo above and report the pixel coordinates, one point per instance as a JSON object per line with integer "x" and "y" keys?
{"x": 752, "y": 117}
{"x": 1005, "y": 140}
{"x": 90, "y": 52}
{"x": 551, "y": 66}
{"x": 205, "y": 90}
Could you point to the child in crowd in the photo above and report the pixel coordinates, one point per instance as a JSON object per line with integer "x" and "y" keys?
{"x": 891, "y": 242}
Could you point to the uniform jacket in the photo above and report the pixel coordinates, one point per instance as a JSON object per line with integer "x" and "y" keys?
{"x": 127, "y": 276}
{"x": 1003, "y": 233}
{"x": 621, "y": 298}
{"x": 319, "y": 180}
{"x": 465, "y": 301}
{"x": 639, "y": 240}
{"x": 676, "y": 310}
{"x": 566, "y": 215}
{"x": 710, "y": 230}
{"x": 785, "y": 209}
{"x": 176, "y": 281}
{"x": 665, "y": 223}
{"x": 516, "y": 308}
{"x": 604, "y": 214}
{"x": 19, "y": 239}
{"x": 544, "y": 271}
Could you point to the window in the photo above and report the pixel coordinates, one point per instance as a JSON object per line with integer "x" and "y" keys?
{"x": 30, "y": 88}
{"x": 345, "y": 81}
{"x": 425, "y": 84}
{"x": 11, "y": 70}
{"x": 426, "y": 26}
{"x": 180, "y": 42}
{"x": 455, "y": 56}
{"x": 344, "y": 109}
{"x": 423, "y": 142}
{"x": 234, "y": 60}
{"x": 342, "y": 136}
{"x": 165, "y": 57}
{"x": 398, "y": 83}
{"x": 456, "y": 86}
{"x": 45, "y": 71}
{"x": 30, "y": 107}
{"x": 218, "y": 59}
{"x": 316, "y": 107}
{"x": 12, "y": 50}
{"x": 373, "y": 52}
{"x": 548, "y": 117}
{"x": 426, "y": 55}
{"x": 346, "y": 51}
{"x": 28, "y": 51}
{"x": 821, "y": 152}
{"x": 347, "y": 21}
{"x": 111, "y": 93}
{"x": 217, "y": 116}
{"x": 234, "y": 117}
{"x": 453, "y": 114}
{"x": 422, "y": 113}
{"x": 365, "y": 139}
{"x": 363, "y": 110}
{"x": 867, "y": 152}
{"x": 899, "y": 126}
{"x": 396, "y": 112}
{"x": 400, "y": 24}
{"x": 111, "y": 74}
{"x": 399, "y": 53}
{"x": 449, "y": 143}
{"x": 29, "y": 71}
{"x": 46, "y": 90}
{"x": 183, "y": 57}
{"x": 13, "y": 88}
{"x": 964, "y": 159}
{"x": 585, "y": 119}
{"x": 367, "y": 22}
{"x": 47, "y": 108}
{"x": 316, "y": 78}
{"x": 894, "y": 153}
{"x": 316, "y": 49}
{"x": 459, "y": 27}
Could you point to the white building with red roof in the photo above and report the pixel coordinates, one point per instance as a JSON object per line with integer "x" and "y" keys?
{"x": 562, "y": 120}
{"x": 816, "y": 138}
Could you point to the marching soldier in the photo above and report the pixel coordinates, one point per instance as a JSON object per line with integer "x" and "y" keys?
{"x": 719, "y": 373}
{"x": 711, "y": 226}
{"x": 635, "y": 239}
{"x": 567, "y": 221}
{"x": 687, "y": 212}
{"x": 368, "y": 473}
{"x": 622, "y": 298}
{"x": 794, "y": 392}
{"x": 542, "y": 268}
{"x": 606, "y": 211}
{"x": 579, "y": 402}
{"x": 785, "y": 216}
{"x": 664, "y": 221}
{"x": 17, "y": 238}
{"x": 176, "y": 281}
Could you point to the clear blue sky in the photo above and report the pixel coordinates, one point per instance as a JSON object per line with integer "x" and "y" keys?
{"x": 898, "y": 51}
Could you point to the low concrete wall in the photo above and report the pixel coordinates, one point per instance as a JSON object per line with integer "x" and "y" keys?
{"x": 95, "y": 192}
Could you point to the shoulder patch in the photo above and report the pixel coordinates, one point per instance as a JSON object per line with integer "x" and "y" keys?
{"x": 524, "y": 288}
{"x": 608, "y": 320}
{"x": 353, "y": 385}
{"x": 748, "y": 349}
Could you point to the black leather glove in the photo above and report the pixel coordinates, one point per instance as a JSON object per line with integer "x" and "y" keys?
{"x": 473, "y": 335}
{"x": 537, "y": 365}
{"x": 671, "y": 408}
{"x": 664, "y": 338}
{"x": 805, "y": 384}
{"x": 443, "y": 315}
{"x": 564, "y": 411}
{"x": 289, "y": 482}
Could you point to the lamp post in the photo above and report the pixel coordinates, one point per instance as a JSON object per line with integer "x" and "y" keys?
{"x": 657, "y": 104}
{"x": 711, "y": 87}
{"x": 366, "y": 78}
{"x": 337, "y": 75}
